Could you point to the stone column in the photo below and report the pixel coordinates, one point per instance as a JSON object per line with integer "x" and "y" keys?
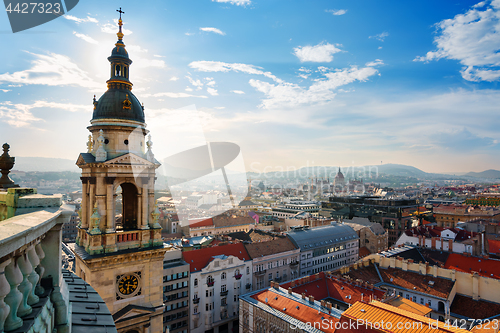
{"x": 33, "y": 277}
{"x": 52, "y": 262}
{"x": 40, "y": 269}
{"x": 90, "y": 204}
{"x": 145, "y": 208}
{"x": 25, "y": 286}
{"x": 85, "y": 221}
{"x": 4, "y": 290}
{"x": 14, "y": 297}
{"x": 110, "y": 213}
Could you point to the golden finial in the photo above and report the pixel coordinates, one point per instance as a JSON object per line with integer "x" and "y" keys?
{"x": 120, "y": 23}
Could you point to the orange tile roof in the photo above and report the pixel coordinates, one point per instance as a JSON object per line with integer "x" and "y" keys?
{"x": 297, "y": 310}
{"x": 406, "y": 304}
{"x": 198, "y": 259}
{"x": 485, "y": 267}
{"x": 394, "y": 320}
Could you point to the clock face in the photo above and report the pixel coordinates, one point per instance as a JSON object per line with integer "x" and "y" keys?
{"x": 128, "y": 284}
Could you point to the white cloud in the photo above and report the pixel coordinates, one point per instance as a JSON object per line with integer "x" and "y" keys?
{"x": 473, "y": 39}
{"x": 189, "y": 33}
{"x": 20, "y": 115}
{"x": 220, "y": 107}
{"x": 239, "y": 92}
{"x": 86, "y": 38}
{"x": 195, "y": 83}
{"x": 380, "y": 36}
{"x": 158, "y": 56}
{"x": 212, "y": 91}
{"x": 5, "y": 90}
{"x": 336, "y": 12}
{"x": 110, "y": 28}
{"x": 188, "y": 89}
{"x": 377, "y": 62}
{"x": 174, "y": 78}
{"x": 214, "y": 30}
{"x": 52, "y": 70}
{"x": 283, "y": 93}
{"x": 290, "y": 95}
{"x": 173, "y": 95}
{"x": 318, "y": 53}
{"x": 218, "y": 66}
{"x": 235, "y": 2}
{"x": 80, "y": 20}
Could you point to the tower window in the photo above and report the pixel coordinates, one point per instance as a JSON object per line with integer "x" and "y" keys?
{"x": 125, "y": 71}
{"x": 106, "y": 141}
{"x": 117, "y": 70}
{"x": 125, "y": 142}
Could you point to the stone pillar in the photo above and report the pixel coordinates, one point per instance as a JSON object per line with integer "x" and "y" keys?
{"x": 52, "y": 262}
{"x": 4, "y": 291}
{"x": 14, "y": 297}
{"x": 25, "y": 287}
{"x": 145, "y": 208}
{"x": 40, "y": 269}
{"x": 90, "y": 204}
{"x": 33, "y": 277}
{"x": 110, "y": 207}
{"x": 139, "y": 206}
{"x": 85, "y": 221}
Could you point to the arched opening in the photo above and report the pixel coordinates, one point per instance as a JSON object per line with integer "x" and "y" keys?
{"x": 125, "y": 74}
{"x": 441, "y": 306}
{"x": 117, "y": 70}
{"x": 126, "y": 207}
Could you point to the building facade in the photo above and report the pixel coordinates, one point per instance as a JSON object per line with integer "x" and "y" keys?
{"x": 371, "y": 235}
{"x": 275, "y": 260}
{"x": 218, "y": 276}
{"x": 175, "y": 292}
{"x": 325, "y": 248}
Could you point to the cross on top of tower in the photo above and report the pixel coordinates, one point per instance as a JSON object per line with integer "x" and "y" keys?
{"x": 121, "y": 12}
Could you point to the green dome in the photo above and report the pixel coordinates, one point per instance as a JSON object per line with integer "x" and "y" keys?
{"x": 119, "y": 51}
{"x": 119, "y": 104}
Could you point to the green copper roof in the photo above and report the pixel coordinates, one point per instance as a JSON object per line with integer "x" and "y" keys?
{"x": 113, "y": 105}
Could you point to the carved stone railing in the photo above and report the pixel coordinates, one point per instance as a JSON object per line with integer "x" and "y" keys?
{"x": 30, "y": 250}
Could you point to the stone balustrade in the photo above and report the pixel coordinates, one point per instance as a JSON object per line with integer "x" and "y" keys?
{"x": 24, "y": 267}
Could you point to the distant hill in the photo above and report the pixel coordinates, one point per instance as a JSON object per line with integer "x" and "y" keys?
{"x": 491, "y": 174}
{"x": 400, "y": 170}
{"x": 45, "y": 164}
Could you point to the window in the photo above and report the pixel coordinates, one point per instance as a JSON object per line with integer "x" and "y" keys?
{"x": 270, "y": 276}
{"x": 421, "y": 301}
{"x": 206, "y": 307}
{"x": 216, "y": 264}
{"x": 206, "y": 293}
{"x": 248, "y": 270}
{"x": 223, "y": 287}
{"x": 235, "y": 298}
{"x": 223, "y": 275}
{"x": 415, "y": 299}
{"x": 196, "y": 282}
{"x": 210, "y": 280}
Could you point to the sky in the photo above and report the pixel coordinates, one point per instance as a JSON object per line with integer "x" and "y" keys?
{"x": 293, "y": 83}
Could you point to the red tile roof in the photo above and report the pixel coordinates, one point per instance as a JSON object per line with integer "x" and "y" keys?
{"x": 198, "y": 259}
{"x": 334, "y": 287}
{"x": 466, "y": 306}
{"x": 363, "y": 252}
{"x": 201, "y": 223}
{"x": 295, "y": 309}
{"x": 485, "y": 267}
{"x": 494, "y": 246}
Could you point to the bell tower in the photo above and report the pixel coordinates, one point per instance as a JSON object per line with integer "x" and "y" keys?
{"x": 119, "y": 250}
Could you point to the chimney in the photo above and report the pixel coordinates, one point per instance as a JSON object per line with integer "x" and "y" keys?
{"x": 311, "y": 299}
{"x": 433, "y": 243}
{"x": 450, "y": 245}
{"x": 292, "y": 284}
{"x": 329, "y": 305}
{"x": 289, "y": 291}
{"x": 423, "y": 241}
{"x": 323, "y": 303}
{"x": 316, "y": 277}
{"x": 303, "y": 296}
{"x": 276, "y": 285}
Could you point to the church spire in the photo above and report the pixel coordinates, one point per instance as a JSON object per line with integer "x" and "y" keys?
{"x": 120, "y": 62}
